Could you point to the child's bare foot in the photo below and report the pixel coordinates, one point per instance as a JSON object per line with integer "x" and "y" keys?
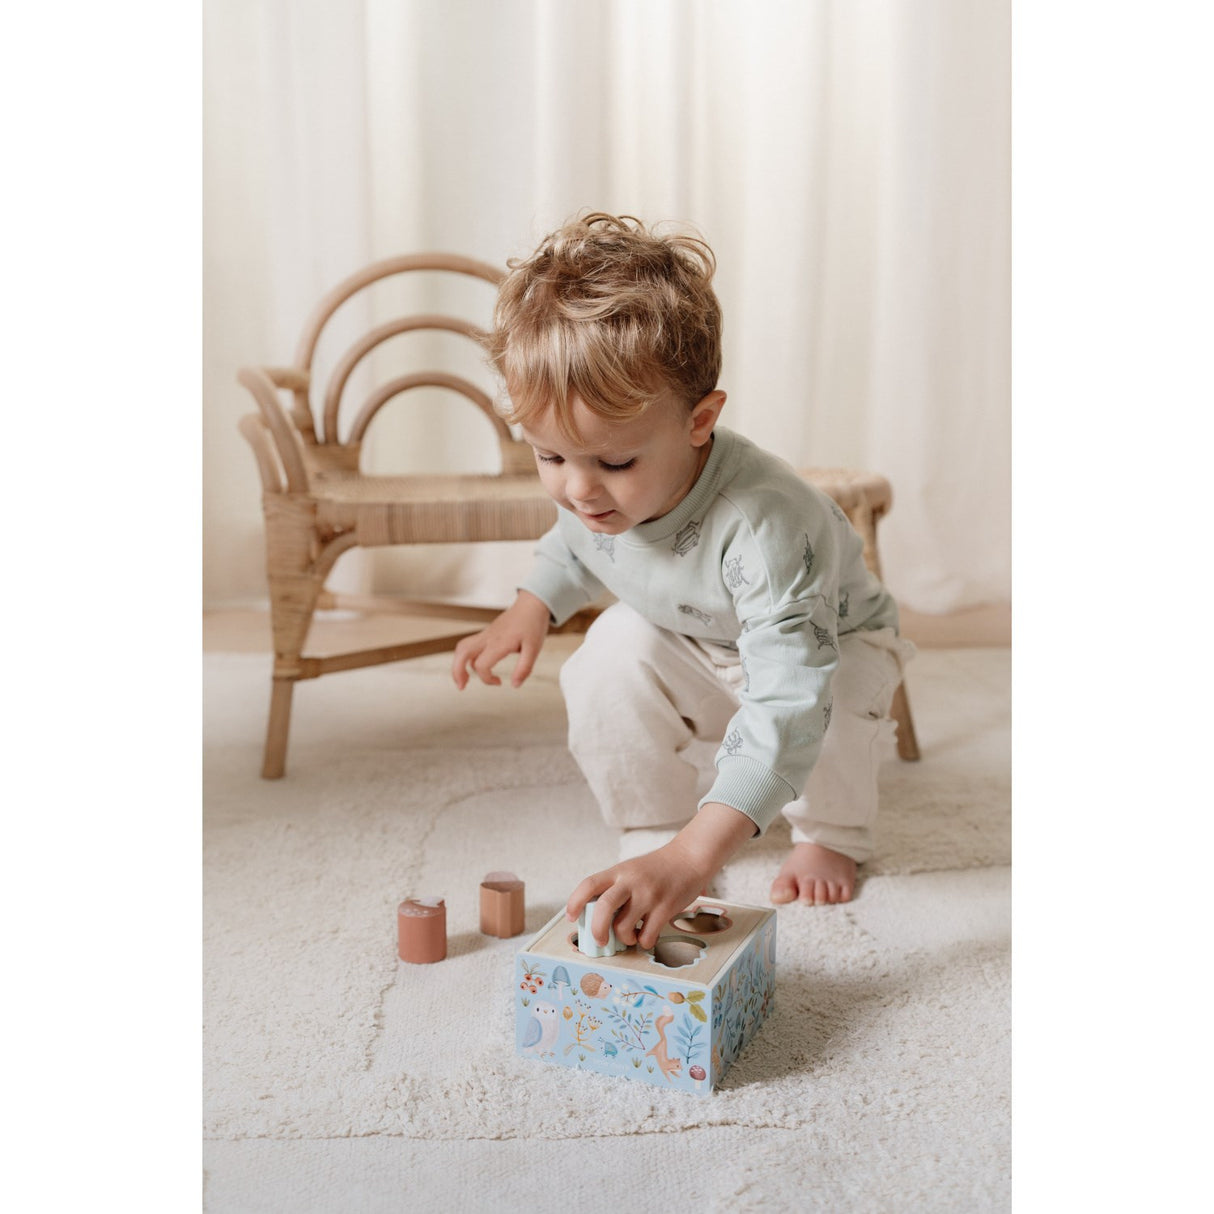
{"x": 814, "y": 875}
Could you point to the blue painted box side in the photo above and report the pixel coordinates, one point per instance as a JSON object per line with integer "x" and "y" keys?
{"x": 665, "y": 1031}
{"x": 743, "y": 998}
{"x": 587, "y": 1017}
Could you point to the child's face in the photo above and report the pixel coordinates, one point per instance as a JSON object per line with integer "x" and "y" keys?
{"x": 619, "y": 474}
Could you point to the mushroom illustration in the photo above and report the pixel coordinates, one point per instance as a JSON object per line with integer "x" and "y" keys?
{"x": 560, "y": 980}
{"x": 699, "y": 1075}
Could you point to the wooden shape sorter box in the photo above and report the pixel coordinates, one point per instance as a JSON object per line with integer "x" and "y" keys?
{"x": 676, "y": 1017}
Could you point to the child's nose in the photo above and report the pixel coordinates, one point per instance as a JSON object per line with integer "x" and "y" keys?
{"x": 582, "y": 484}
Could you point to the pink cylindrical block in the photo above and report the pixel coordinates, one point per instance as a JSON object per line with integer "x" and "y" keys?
{"x": 421, "y": 930}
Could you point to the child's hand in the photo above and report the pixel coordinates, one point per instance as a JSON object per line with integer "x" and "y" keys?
{"x": 520, "y": 629}
{"x": 656, "y": 887}
{"x": 653, "y": 888}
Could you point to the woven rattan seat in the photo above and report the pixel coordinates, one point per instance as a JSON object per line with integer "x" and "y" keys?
{"x": 435, "y": 509}
{"x": 318, "y": 504}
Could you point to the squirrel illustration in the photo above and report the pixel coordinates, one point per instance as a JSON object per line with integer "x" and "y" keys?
{"x": 666, "y": 1064}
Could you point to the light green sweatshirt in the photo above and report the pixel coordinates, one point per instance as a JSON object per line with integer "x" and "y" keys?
{"x": 754, "y": 558}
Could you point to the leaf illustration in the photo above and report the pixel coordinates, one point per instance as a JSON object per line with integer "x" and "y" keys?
{"x": 697, "y": 1012}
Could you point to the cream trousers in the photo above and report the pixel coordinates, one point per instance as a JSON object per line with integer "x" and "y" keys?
{"x": 643, "y": 703}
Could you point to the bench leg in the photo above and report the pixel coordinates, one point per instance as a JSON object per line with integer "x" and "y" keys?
{"x": 274, "y": 761}
{"x": 908, "y": 744}
{"x": 295, "y": 579}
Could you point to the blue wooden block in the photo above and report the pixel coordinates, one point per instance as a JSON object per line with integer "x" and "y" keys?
{"x": 676, "y": 1017}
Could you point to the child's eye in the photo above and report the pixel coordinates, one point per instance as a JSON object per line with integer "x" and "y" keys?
{"x": 548, "y": 459}
{"x": 619, "y": 467}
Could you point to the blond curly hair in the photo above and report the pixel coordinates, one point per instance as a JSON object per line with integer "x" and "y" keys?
{"x": 612, "y": 312}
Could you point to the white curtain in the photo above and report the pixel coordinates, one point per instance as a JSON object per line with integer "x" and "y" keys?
{"x": 848, "y": 160}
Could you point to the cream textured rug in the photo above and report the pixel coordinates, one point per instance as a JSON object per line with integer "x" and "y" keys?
{"x": 339, "y": 1079}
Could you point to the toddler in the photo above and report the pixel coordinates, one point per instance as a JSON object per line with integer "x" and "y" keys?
{"x": 745, "y": 613}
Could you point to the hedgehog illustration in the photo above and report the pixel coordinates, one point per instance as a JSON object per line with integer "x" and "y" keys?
{"x": 596, "y": 986}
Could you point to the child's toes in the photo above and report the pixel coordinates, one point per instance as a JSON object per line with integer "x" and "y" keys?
{"x": 783, "y": 889}
{"x": 813, "y": 893}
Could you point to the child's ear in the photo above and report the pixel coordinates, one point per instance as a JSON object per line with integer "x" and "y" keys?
{"x": 704, "y": 417}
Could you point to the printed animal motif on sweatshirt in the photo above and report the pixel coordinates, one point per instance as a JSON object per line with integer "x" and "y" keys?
{"x": 702, "y": 616}
{"x": 687, "y": 538}
{"x": 735, "y": 575}
{"x": 605, "y": 543}
{"x": 808, "y": 557}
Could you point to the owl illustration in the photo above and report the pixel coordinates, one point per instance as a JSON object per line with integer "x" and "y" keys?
{"x": 540, "y": 1034}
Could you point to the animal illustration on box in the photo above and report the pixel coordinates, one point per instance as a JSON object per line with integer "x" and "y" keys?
{"x": 661, "y": 1052}
{"x": 596, "y": 986}
{"x": 542, "y": 1030}
{"x": 676, "y": 1017}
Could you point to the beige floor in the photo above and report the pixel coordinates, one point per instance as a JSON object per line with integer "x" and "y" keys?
{"x": 248, "y": 631}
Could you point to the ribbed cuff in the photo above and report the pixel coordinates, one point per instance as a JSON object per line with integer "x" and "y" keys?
{"x": 561, "y": 598}
{"x": 750, "y": 788}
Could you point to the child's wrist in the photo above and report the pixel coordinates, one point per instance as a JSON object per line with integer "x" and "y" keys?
{"x": 715, "y": 833}
{"x": 532, "y": 605}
